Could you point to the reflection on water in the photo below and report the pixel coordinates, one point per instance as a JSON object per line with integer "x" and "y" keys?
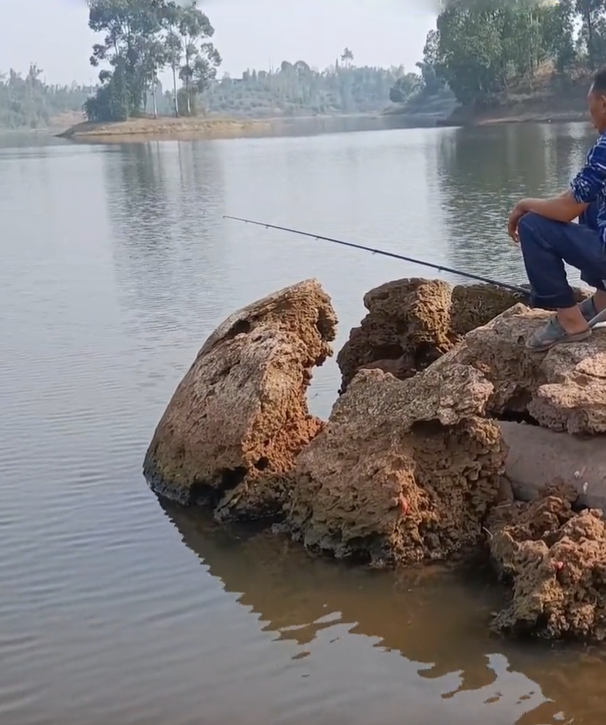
{"x": 483, "y": 172}
{"x": 313, "y": 603}
{"x": 116, "y": 266}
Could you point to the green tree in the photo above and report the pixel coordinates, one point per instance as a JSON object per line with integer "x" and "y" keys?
{"x": 28, "y": 102}
{"x": 200, "y": 57}
{"x": 481, "y": 47}
{"x": 591, "y": 13}
{"x": 347, "y": 57}
{"x": 173, "y": 47}
{"x": 433, "y": 82}
{"x": 470, "y": 50}
{"x": 131, "y": 30}
{"x": 557, "y": 25}
{"x": 142, "y": 37}
{"x": 405, "y": 87}
{"x": 111, "y": 101}
{"x": 296, "y": 89}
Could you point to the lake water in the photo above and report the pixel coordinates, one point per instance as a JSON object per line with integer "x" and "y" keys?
{"x": 116, "y": 265}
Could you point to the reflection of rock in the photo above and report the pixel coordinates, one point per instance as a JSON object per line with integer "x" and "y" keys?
{"x": 556, "y": 560}
{"x": 412, "y": 322}
{"x": 435, "y": 619}
{"x": 403, "y": 471}
{"x": 563, "y": 389}
{"x": 298, "y": 596}
{"x": 239, "y": 417}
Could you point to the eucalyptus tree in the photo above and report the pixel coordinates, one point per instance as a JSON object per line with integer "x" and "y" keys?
{"x": 200, "y": 58}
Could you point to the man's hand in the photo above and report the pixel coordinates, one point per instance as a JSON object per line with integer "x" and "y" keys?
{"x": 515, "y": 215}
{"x": 561, "y": 208}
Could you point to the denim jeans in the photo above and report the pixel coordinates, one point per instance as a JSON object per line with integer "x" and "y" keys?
{"x": 546, "y": 244}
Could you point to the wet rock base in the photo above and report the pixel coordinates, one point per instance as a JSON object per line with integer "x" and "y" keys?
{"x": 554, "y": 558}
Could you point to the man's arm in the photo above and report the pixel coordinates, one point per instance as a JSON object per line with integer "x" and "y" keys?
{"x": 561, "y": 208}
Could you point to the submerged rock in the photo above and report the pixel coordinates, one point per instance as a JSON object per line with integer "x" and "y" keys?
{"x": 404, "y": 471}
{"x": 555, "y": 560}
{"x": 239, "y": 417}
{"x": 563, "y": 389}
{"x": 413, "y": 322}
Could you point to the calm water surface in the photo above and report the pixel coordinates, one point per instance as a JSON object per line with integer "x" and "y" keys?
{"x": 116, "y": 265}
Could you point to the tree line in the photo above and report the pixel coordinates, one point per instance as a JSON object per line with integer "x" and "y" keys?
{"x": 482, "y": 48}
{"x": 143, "y": 38}
{"x": 27, "y": 102}
{"x": 296, "y": 89}
{"x": 292, "y": 89}
{"x": 479, "y": 50}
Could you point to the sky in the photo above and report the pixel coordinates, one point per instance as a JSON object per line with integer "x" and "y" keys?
{"x": 249, "y": 34}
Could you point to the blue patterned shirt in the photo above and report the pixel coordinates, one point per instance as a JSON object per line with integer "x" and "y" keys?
{"x": 590, "y": 183}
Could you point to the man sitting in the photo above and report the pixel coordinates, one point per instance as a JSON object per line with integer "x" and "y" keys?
{"x": 548, "y": 238}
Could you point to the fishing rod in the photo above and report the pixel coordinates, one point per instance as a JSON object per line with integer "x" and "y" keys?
{"x": 384, "y": 253}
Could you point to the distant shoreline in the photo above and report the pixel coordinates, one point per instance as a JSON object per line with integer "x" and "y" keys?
{"x": 546, "y": 102}
{"x": 504, "y": 116}
{"x": 166, "y": 128}
{"x": 209, "y": 127}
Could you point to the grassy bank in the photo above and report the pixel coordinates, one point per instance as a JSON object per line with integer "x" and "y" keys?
{"x": 542, "y": 100}
{"x": 182, "y": 128}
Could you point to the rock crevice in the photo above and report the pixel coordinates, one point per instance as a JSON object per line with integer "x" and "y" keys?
{"x": 403, "y": 472}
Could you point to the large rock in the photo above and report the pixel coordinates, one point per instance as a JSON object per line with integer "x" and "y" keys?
{"x": 563, "y": 389}
{"x": 539, "y": 456}
{"x": 239, "y": 417}
{"x": 555, "y": 560}
{"x": 412, "y": 322}
{"x": 403, "y": 472}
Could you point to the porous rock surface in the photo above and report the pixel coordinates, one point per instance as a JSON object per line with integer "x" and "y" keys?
{"x": 412, "y": 322}
{"x": 239, "y": 417}
{"x": 555, "y": 560}
{"x": 563, "y": 389}
{"x": 404, "y": 471}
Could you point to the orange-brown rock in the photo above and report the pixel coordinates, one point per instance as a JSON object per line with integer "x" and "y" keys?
{"x": 403, "y": 472}
{"x": 563, "y": 389}
{"x": 555, "y": 560}
{"x": 239, "y": 417}
{"x": 412, "y": 322}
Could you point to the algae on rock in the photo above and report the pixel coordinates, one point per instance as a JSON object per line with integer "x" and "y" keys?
{"x": 239, "y": 417}
{"x": 404, "y": 471}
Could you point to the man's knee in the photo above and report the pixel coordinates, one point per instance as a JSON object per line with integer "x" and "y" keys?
{"x": 533, "y": 226}
{"x": 534, "y": 233}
